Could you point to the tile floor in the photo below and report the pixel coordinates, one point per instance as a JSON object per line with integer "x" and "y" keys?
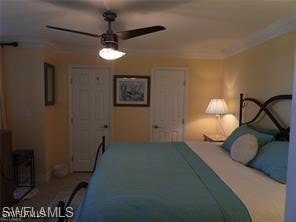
{"x": 48, "y": 193}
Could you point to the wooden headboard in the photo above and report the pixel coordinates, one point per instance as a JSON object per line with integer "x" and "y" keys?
{"x": 264, "y": 107}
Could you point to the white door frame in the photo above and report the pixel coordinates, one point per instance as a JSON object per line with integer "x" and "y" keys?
{"x": 71, "y": 67}
{"x": 290, "y": 201}
{"x": 185, "y": 96}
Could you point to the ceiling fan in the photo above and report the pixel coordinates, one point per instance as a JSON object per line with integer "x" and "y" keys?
{"x": 109, "y": 39}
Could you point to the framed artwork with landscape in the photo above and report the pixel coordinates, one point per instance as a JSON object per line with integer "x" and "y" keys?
{"x": 131, "y": 90}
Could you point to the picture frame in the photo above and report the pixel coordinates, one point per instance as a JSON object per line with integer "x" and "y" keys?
{"x": 131, "y": 90}
{"x": 49, "y": 84}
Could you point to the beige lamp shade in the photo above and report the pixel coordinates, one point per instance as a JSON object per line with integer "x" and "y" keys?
{"x": 217, "y": 107}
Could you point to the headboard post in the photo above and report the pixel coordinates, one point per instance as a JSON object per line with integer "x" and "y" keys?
{"x": 241, "y": 108}
{"x": 103, "y": 144}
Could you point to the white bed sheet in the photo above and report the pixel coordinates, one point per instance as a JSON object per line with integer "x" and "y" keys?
{"x": 263, "y": 196}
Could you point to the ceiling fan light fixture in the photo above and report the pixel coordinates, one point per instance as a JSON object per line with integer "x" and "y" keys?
{"x": 109, "y": 39}
{"x": 110, "y": 54}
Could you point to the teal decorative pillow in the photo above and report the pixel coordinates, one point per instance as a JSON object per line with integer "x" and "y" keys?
{"x": 269, "y": 131}
{"x": 262, "y": 138}
{"x": 272, "y": 160}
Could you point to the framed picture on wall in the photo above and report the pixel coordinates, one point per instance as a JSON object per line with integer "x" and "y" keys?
{"x": 131, "y": 90}
{"x": 49, "y": 84}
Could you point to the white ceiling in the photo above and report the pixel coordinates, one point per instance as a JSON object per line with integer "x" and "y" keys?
{"x": 195, "y": 28}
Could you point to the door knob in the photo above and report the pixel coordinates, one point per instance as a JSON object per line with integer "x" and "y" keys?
{"x": 156, "y": 127}
{"x": 105, "y": 126}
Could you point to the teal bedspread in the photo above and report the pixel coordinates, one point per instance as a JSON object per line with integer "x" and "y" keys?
{"x": 157, "y": 182}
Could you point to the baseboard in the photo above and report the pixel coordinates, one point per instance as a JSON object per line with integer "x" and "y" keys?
{"x": 43, "y": 178}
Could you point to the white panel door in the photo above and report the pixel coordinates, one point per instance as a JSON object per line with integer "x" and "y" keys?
{"x": 90, "y": 114}
{"x": 168, "y": 104}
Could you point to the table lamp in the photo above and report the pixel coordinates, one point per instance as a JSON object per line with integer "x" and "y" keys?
{"x": 218, "y": 107}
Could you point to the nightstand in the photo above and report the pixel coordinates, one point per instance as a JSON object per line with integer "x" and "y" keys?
{"x": 214, "y": 138}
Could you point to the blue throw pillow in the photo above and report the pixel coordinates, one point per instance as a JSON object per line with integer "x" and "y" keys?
{"x": 262, "y": 138}
{"x": 272, "y": 160}
{"x": 269, "y": 131}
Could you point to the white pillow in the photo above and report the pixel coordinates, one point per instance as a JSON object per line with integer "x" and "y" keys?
{"x": 244, "y": 148}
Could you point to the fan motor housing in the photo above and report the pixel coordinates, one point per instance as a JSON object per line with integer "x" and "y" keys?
{"x": 109, "y": 16}
{"x": 109, "y": 40}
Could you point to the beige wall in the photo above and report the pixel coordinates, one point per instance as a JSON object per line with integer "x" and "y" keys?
{"x": 204, "y": 79}
{"x": 23, "y": 91}
{"x": 57, "y": 116}
{"x": 51, "y": 122}
{"x": 204, "y": 82}
{"x": 263, "y": 71}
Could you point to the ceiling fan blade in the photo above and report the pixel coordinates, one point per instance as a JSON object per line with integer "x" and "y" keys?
{"x": 137, "y": 32}
{"x": 74, "y": 31}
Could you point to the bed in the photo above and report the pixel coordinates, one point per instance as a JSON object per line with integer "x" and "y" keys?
{"x": 183, "y": 181}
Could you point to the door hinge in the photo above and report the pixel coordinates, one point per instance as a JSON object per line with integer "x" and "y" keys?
{"x": 184, "y": 83}
{"x": 71, "y": 81}
{"x": 183, "y": 121}
{"x": 72, "y": 120}
{"x": 72, "y": 158}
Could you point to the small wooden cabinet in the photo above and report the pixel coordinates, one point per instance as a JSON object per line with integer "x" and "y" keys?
{"x": 6, "y": 172}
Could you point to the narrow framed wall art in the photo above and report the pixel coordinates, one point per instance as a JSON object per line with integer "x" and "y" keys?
{"x": 49, "y": 84}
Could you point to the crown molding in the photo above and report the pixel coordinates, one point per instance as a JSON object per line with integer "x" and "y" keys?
{"x": 272, "y": 31}
{"x": 34, "y": 44}
{"x": 28, "y": 42}
{"x": 73, "y": 49}
{"x": 173, "y": 54}
{"x": 138, "y": 53}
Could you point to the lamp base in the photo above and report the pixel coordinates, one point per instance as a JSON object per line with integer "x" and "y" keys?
{"x": 214, "y": 138}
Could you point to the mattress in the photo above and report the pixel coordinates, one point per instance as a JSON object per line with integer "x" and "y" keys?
{"x": 263, "y": 196}
{"x": 165, "y": 182}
